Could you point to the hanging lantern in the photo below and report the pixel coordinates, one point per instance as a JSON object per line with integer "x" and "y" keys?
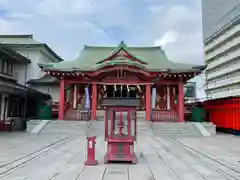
{"x": 104, "y": 87}
{"x": 128, "y": 88}
{"x": 115, "y": 87}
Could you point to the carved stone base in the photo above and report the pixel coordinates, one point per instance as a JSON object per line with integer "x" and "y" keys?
{"x": 91, "y": 163}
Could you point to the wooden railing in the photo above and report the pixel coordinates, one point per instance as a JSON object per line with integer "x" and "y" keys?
{"x": 55, "y": 108}
{"x": 77, "y": 115}
{"x": 164, "y": 116}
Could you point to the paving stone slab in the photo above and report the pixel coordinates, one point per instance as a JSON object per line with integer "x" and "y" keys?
{"x": 159, "y": 158}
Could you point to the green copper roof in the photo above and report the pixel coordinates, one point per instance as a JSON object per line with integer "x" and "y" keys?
{"x": 121, "y": 62}
{"x": 92, "y": 58}
{"x": 46, "y": 79}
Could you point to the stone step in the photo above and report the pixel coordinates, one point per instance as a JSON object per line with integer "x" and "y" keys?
{"x": 159, "y": 129}
{"x": 31, "y": 124}
{"x": 71, "y": 128}
{"x": 210, "y": 127}
{"x": 175, "y": 129}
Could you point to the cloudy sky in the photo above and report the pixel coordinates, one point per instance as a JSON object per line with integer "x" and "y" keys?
{"x": 66, "y": 25}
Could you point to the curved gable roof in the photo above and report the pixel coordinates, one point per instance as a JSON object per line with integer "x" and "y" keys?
{"x": 89, "y": 58}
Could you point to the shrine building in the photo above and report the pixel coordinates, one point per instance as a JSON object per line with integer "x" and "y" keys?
{"x": 124, "y": 74}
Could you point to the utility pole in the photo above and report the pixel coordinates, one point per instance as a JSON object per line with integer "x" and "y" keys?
{"x": 25, "y": 93}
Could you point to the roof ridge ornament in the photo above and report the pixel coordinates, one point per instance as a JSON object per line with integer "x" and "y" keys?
{"x": 122, "y": 44}
{"x": 121, "y": 52}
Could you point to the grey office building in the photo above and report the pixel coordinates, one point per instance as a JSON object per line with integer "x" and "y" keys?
{"x": 221, "y": 34}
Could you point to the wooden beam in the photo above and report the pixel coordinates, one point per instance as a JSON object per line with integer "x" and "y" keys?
{"x": 123, "y": 67}
{"x": 129, "y": 82}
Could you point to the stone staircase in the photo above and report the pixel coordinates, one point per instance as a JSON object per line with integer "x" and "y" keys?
{"x": 64, "y": 128}
{"x": 31, "y": 124}
{"x": 175, "y": 129}
{"x": 210, "y": 127}
{"x": 143, "y": 127}
{"x": 80, "y": 127}
{"x": 71, "y": 128}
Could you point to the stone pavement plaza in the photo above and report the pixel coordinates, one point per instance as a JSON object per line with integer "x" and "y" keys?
{"x": 49, "y": 157}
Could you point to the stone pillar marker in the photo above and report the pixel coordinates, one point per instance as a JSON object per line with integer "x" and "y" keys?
{"x": 91, "y": 141}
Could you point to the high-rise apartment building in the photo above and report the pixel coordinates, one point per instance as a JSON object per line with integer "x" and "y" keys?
{"x": 221, "y": 32}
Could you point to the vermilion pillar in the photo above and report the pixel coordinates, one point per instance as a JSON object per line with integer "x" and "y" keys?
{"x": 75, "y": 96}
{"x": 181, "y": 102}
{"x": 61, "y": 100}
{"x": 71, "y": 96}
{"x": 94, "y": 102}
{"x": 148, "y": 102}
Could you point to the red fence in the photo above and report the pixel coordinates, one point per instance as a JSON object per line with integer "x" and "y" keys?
{"x": 55, "y": 108}
{"x": 224, "y": 113}
{"x": 79, "y": 115}
{"x": 164, "y": 116}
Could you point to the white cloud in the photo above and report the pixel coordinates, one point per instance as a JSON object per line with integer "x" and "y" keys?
{"x": 156, "y": 9}
{"x": 66, "y": 25}
{"x": 188, "y": 48}
{"x": 56, "y": 8}
{"x": 168, "y": 37}
{"x": 179, "y": 31}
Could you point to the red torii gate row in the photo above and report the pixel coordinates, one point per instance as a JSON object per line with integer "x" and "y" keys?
{"x": 225, "y": 113}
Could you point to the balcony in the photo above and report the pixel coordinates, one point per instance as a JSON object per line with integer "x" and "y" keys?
{"x": 235, "y": 92}
{"x": 223, "y": 48}
{"x": 223, "y": 71}
{"x": 222, "y": 38}
{"x": 224, "y": 59}
{"x": 225, "y": 82}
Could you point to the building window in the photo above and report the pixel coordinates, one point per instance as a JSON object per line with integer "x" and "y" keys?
{"x": 3, "y": 65}
{"x": 10, "y": 69}
{"x": 6, "y": 67}
{"x": 190, "y": 92}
